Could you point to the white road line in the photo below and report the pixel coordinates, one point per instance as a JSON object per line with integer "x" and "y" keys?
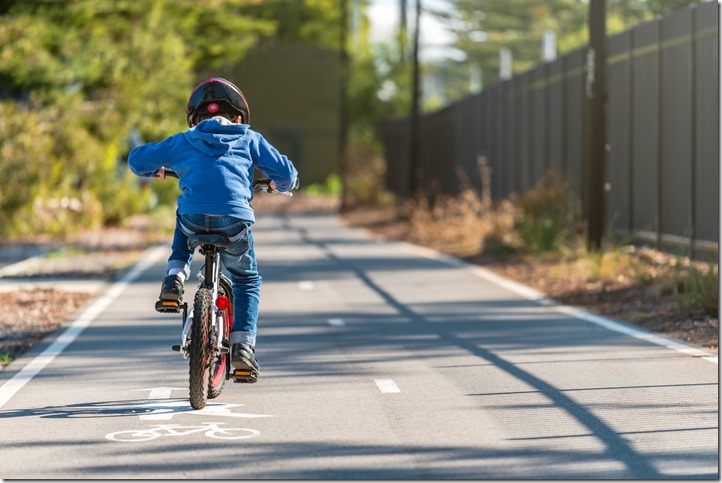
{"x": 540, "y": 298}
{"x": 337, "y": 322}
{"x": 18, "y": 267}
{"x": 13, "y": 385}
{"x": 387, "y": 385}
{"x": 306, "y": 285}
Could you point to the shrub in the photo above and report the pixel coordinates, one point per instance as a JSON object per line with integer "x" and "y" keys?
{"x": 546, "y": 219}
{"x": 698, "y": 289}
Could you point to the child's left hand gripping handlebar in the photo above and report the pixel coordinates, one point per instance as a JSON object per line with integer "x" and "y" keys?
{"x": 267, "y": 185}
{"x": 164, "y": 172}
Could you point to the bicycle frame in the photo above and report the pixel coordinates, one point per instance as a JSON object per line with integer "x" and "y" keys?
{"x": 210, "y": 277}
{"x": 204, "y": 338}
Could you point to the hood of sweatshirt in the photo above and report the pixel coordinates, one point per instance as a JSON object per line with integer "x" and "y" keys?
{"x": 215, "y": 136}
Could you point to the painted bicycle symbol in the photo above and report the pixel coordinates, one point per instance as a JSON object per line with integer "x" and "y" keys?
{"x": 211, "y": 430}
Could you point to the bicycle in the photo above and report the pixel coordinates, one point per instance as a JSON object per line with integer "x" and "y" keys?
{"x": 207, "y": 327}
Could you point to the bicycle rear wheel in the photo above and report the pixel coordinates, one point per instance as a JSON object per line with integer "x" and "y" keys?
{"x": 222, "y": 363}
{"x": 199, "y": 362}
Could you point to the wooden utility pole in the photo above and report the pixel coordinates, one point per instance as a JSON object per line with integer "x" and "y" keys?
{"x": 343, "y": 104}
{"x": 597, "y": 122}
{"x": 402, "y": 39}
{"x": 415, "y": 138}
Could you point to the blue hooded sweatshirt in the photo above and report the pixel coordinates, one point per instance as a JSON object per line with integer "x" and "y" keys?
{"x": 215, "y": 161}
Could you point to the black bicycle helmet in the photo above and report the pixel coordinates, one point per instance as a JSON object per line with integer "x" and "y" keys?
{"x": 217, "y": 96}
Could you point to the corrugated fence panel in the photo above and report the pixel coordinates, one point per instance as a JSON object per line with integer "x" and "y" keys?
{"x": 397, "y": 144}
{"x": 575, "y": 78}
{"x": 663, "y": 131}
{"x": 706, "y": 125}
{"x": 646, "y": 114}
{"x": 676, "y": 126}
{"x": 438, "y": 148}
{"x": 526, "y": 97}
{"x": 491, "y": 137}
{"x": 538, "y": 128}
{"x": 516, "y": 146}
{"x": 496, "y": 154}
{"x": 467, "y": 121}
{"x": 503, "y": 166}
{"x": 555, "y": 121}
{"x": 618, "y": 133}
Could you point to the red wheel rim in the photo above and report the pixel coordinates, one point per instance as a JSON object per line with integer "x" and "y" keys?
{"x": 219, "y": 368}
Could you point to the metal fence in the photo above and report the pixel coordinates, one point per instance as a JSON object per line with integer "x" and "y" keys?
{"x": 662, "y": 173}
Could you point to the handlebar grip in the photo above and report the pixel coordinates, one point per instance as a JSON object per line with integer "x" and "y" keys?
{"x": 266, "y": 181}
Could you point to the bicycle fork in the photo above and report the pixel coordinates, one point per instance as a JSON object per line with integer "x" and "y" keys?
{"x": 209, "y": 271}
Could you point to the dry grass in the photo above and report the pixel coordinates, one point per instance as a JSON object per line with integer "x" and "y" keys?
{"x": 536, "y": 239}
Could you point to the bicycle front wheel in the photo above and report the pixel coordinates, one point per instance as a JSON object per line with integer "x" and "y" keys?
{"x": 200, "y": 351}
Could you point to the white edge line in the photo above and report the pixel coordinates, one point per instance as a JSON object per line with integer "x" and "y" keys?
{"x": 18, "y": 267}
{"x": 14, "y": 384}
{"x": 540, "y": 298}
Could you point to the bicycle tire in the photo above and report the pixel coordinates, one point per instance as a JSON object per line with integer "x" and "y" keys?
{"x": 221, "y": 365}
{"x": 200, "y": 350}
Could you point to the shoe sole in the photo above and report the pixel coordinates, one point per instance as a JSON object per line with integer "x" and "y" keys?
{"x": 243, "y": 365}
{"x": 170, "y": 297}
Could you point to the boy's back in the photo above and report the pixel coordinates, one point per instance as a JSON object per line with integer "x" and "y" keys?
{"x": 215, "y": 161}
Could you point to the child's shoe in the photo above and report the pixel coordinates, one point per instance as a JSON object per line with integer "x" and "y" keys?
{"x": 171, "y": 294}
{"x": 245, "y": 365}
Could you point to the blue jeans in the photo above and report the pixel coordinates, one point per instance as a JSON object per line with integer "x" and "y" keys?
{"x": 239, "y": 259}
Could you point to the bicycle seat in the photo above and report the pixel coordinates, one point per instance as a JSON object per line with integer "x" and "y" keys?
{"x": 214, "y": 239}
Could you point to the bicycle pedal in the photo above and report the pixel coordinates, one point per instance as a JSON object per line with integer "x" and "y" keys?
{"x": 176, "y": 348}
{"x": 244, "y": 376}
{"x": 167, "y": 306}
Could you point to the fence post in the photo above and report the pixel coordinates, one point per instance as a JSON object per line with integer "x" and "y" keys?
{"x": 415, "y": 148}
{"x": 596, "y": 96}
{"x": 660, "y": 128}
{"x": 693, "y": 126}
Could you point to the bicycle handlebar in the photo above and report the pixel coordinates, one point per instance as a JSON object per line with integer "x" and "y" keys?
{"x": 171, "y": 173}
{"x": 260, "y": 184}
{"x": 264, "y": 184}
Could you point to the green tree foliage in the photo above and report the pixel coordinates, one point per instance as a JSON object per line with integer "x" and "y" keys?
{"x": 86, "y": 72}
{"x": 483, "y": 27}
{"x": 298, "y": 21}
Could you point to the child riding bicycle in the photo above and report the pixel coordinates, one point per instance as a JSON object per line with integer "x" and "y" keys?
{"x": 215, "y": 160}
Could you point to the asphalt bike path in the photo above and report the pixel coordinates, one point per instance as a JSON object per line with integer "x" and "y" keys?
{"x": 379, "y": 361}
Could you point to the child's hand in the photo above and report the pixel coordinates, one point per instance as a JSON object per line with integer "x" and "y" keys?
{"x": 160, "y": 174}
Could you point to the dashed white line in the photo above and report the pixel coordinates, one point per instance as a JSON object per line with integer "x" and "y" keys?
{"x": 387, "y": 385}
{"x": 336, "y": 322}
{"x": 306, "y": 285}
